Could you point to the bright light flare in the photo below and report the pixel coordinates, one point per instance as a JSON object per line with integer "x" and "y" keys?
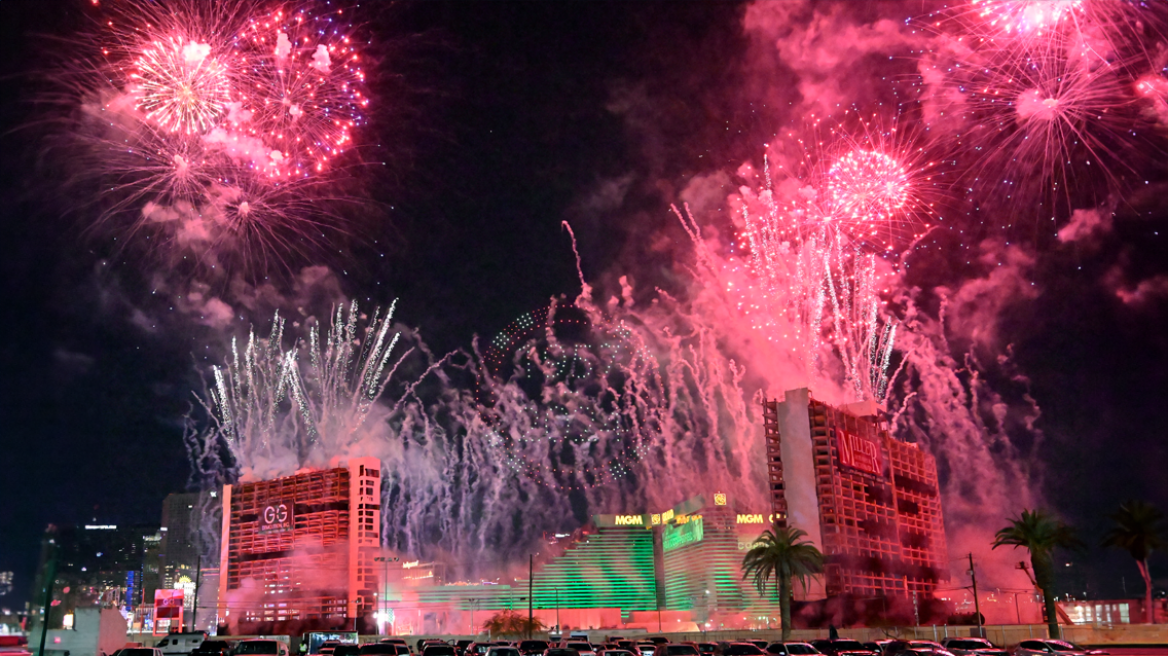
{"x": 1025, "y": 16}
{"x": 181, "y": 86}
{"x": 867, "y": 185}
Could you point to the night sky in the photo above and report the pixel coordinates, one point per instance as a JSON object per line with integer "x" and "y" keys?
{"x": 496, "y": 122}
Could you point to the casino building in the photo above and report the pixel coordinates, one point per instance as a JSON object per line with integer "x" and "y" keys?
{"x": 298, "y": 552}
{"x": 868, "y": 501}
{"x": 303, "y": 552}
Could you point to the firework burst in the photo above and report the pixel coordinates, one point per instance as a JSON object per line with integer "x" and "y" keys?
{"x": 1044, "y": 129}
{"x": 181, "y": 86}
{"x": 303, "y": 91}
{"x": 220, "y": 128}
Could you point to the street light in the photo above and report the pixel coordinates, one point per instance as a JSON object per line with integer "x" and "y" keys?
{"x": 385, "y": 561}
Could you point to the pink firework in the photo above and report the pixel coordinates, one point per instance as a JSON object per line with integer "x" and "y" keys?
{"x": 869, "y": 178}
{"x": 303, "y": 93}
{"x": 181, "y": 85}
{"x": 215, "y": 127}
{"x": 867, "y": 186}
{"x": 1046, "y": 127}
{"x": 1026, "y": 16}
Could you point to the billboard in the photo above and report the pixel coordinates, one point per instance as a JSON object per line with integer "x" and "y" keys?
{"x": 679, "y": 535}
{"x": 859, "y": 453}
{"x": 168, "y": 610}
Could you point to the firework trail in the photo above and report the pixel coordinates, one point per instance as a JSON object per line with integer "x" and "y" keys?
{"x": 187, "y": 106}
{"x": 274, "y": 417}
{"x": 638, "y": 408}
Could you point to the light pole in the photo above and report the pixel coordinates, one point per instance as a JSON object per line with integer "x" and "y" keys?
{"x": 385, "y": 561}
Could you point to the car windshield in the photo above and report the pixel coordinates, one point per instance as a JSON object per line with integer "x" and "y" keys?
{"x": 438, "y": 650}
{"x": 504, "y": 651}
{"x": 681, "y": 650}
{"x": 346, "y": 650}
{"x": 530, "y": 645}
{"x": 138, "y": 651}
{"x": 379, "y": 649}
{"x": 580, "y": 646}
{"x": 255, "y": 647}
{"x": 847, "y": 645}
{"x": 741, "y": 650}
{"x": 968, "y": 644}
{"x": 1059, "y": 645}
{"x": 801, "y": 649}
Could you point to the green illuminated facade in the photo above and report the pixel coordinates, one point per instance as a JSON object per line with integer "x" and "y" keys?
{"x": 702, "y": 559}
{"x": 688, "y": 558}
{"x": 609, "y": 568}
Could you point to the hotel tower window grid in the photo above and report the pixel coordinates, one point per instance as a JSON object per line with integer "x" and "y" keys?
{"x": 882, "y": 533}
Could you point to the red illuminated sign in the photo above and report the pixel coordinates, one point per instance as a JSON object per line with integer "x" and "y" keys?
{"x": 859, "y": 453}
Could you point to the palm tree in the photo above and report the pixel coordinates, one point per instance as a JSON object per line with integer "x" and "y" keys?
{"x": 781, "y": 553}
{"x": 1040, "y": 533}
{"x": 1139, "y": 530}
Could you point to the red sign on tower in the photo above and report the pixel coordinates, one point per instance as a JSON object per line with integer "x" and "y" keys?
{"x": 859, "y": 453}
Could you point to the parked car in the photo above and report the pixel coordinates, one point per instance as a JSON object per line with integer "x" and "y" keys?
{"x": 791, "y": 649}
{"x": 1057, "y": 647}
{"x": 707, "y": 648}
{"x": 841, "y": 646}
{"x": 646, "y": 648}
{"x": 439, "y": 649}
{"x": 259, "y": 647}
{"x": 582, "y": 648}
{"x": 914, "y": 646}
{"x": 972, "y": 647}
{"x": 561, "y": 651}
{"x": 502, "y": 650}
{"x": 328, "y": 646}
{"x": 212, "y": 648}
{"x": 533, "y": 647}
{"x": 142, "y": 651}
{"x": 761, "y": 644}
{"x": 659, "y": 640}
{"x": 347, "y": 650}
{"x": 381, "y": 649}
{"x": 739, "y": 649}
{"x": 616, "y": 652}
{"x": 176, "y": 644}
{"x": 677, "y": 649}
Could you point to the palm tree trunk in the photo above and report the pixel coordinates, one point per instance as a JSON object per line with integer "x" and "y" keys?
{"x": 785, "y": 606}
{"x": 1044, "y": 577}
{"x": 1149, "y": 612}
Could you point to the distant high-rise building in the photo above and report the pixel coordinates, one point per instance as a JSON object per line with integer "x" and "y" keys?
{"x": 5, "y": 583}
{"x": 97, "y": 565}
{"x": 179, "y": 551}
{"x": 870, "y": 502}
